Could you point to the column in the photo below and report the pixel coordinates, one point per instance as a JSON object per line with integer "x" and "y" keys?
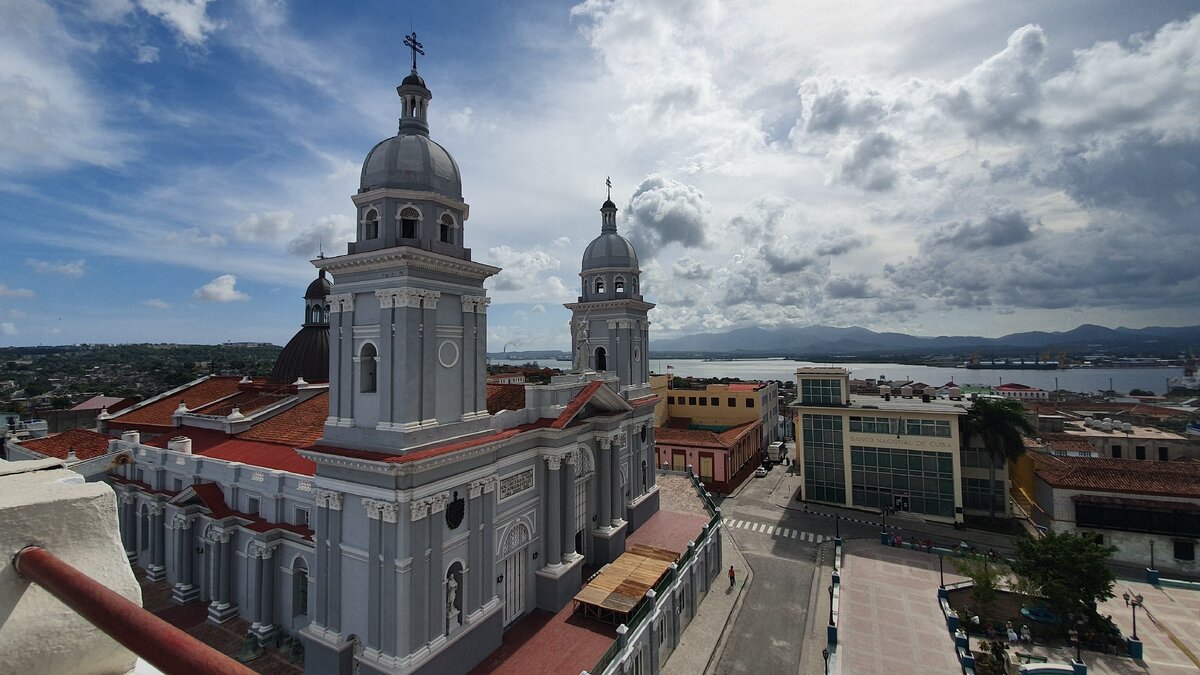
{"x": 651, "y": 456}
{"x": 603, "y": 481}
{"x": 266, "y": 614}
{"x": 254, "y": 584}
{"x": 618, "y": 497}
{"x": 487, "y": 576}
{"x": 345, "y": 338}
{"x": 419, "y": 614}
{"x": 129, "y": 524}
{"x": 185, "y": 588}
{"x": 390, "y": 512}
{"x": 156, "y": 571}
{"x": 553, "y": 510}
{"x": 321, "y": 559}
{"x": 386, "y": 372}
{"x": 335, "y": 364}
{"x": 334, "y": 598}
{"x": 429, "y": 357}
{"x": 568, "y": 500}
{"x": 226, "y": 563}
{"x": 373, "y": 572}
{"x": 481, "y": 353}
{"x": 475, "y": 550}
{"x": 437, "y": 571}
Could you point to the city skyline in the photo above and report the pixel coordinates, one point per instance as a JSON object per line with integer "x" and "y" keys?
{"x": 168, "y": 169}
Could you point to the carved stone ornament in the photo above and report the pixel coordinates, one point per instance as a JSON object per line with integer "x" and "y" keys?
{"x": 439, "y": 502}
{"x": 156, "y": 508}
{"x": 420, "y": 509}
{"x": 604, "y": 442}
{"x": 553, "y": 462}
{"x": 181, "y": 521}
{"x": 128, "y": 498}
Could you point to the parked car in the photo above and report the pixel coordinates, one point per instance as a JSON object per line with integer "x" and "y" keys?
{"x": 761, "y": 472}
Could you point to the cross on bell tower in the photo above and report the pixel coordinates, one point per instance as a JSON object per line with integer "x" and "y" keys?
{"x": 410, "y": 41}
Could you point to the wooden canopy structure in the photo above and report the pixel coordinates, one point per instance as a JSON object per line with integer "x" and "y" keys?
{"x": 616, "y": 590}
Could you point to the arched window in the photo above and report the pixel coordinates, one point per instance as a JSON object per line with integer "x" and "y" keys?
{"x": 371, "y": 224}
{"x": 446, "y": 229}
{"x": 619, "y": 285}
{"x": 408, "y": 223}
{"x": 299, "y": 588}
{"x": 367, "y": 365}
{"x": 599, "y": 284}
{"x": 601, "y": 359}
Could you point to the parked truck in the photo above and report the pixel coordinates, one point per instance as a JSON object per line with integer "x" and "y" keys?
{"x": 776, "y": 452}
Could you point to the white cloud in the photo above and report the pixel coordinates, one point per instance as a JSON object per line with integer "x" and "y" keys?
{"x": 146, "y": 54}
{"x": 75, "y": 268}
{"x": 267, "y": 226}
{"x": 6, "y": 292}
{"x": 538, "y": 309}
{"x": 522, "y": 270}
{"x": 8, "y": 328}
{"x": 157, "y": 303}
{"x": 16, "y": 314}
{"x": 188, "y": 18}
{"x": 327, "y": 234}
{"x": 221, "y": 289}
{"x": 192, "y": 237}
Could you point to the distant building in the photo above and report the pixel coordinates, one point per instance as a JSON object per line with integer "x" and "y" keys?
{"x": 1021, "y": 392}
{"x": 721, "y": 458}
{"x": 720, "y": 406}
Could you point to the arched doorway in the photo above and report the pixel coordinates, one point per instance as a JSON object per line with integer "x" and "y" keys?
{"x": 515, "y": 568}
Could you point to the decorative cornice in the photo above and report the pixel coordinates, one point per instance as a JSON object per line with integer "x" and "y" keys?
{"x": 622, "y": 303}
{"x": 365, "y": 198}
{"x": 405, "y": 257}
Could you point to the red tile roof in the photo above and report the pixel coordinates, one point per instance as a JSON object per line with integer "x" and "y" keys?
{"x": 113, "y": 403}
{"x": 156, "y": 416}
{"x": 702, "y": 438}
{"x": 245, "y": 401}
{"x": 577, "y": 404}
{"x": 433, "y": 451}
{"x": 1126, "y": 476}
{"x": 505, "y": 397}
{"x": 215, "y": 444}
{"x": 1068, "y": 442}
{"x": 213, "y": 499}
{"x": 202, "y": 439}
{"x": 87, "y": 444}
{"x": 302, "y": 424}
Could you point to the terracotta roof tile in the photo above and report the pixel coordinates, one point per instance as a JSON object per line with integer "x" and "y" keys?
{"x": 576, "y": 404}
{"x": 157, "y": 415}
{"x": 1127, "y": 476}
{"x": 245, "y": 401}
{"x": 265, "y": 455}
{"x": 87, "y": 444}
{"x": 433, "y": 451}
{"x": 505, "y": 397}
{"x": 302, "y": 424}
{"x": 213, "y": 499}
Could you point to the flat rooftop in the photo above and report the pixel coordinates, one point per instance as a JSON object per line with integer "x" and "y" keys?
{"x": 866, "y": 404}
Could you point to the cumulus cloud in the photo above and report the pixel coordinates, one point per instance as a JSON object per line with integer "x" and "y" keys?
{"x": 867, "y": 163}
{"x": 257, "y": 227}
{"x": 6, "y": 292}
{"x": 834, "y": 104}
{"x": 687, "y": 268}
{"x": 8, "y": 328}
{"x": 157, "y": 303}
{"x": 537, "y": 309}
{"x": 192, "y": 237}
{"x": 1003, "y": 229}
{"x": 664, "y": 211}
{"x": 1000, "y": 94}
{"x": 522, "y": 270}
{"x": 74, "y": 268}
{"x": 856, "y": 287}
{"x": 327, "y": 233}
{"x": 187, "y": 18}
{"x": 221, "y": 289}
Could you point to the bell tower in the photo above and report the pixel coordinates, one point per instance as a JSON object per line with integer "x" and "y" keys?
{"x": 610, "y": 330}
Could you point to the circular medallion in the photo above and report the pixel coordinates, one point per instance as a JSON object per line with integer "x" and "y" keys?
{"x": 448, "y": 354}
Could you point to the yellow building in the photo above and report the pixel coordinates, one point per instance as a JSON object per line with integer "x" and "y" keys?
{"x": 719, "y": 406}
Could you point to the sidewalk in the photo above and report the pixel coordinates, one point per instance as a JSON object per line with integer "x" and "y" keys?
{"x": 816, "y": 634}
{"x": 704, "y": 639}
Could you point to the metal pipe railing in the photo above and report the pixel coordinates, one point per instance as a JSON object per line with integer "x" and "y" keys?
{"x": 162, "y": 645}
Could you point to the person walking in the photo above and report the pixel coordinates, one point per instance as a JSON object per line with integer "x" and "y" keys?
{"x": 732, "y": 576}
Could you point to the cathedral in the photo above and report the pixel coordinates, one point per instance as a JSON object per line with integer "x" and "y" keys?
{"x": 373, "y": 497}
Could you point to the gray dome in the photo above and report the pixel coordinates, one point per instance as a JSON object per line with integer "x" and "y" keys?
{"x": 610, "y": 250}
{"x": 411, "y": 162}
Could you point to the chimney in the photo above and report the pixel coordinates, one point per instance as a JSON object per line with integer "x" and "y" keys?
{"x": 180, "y": 444}
{"x": 133, "y": 437}
{"x": 71, "y": 456}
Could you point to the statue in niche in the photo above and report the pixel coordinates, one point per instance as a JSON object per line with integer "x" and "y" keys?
{"x": 581, "y": 346}
{"x": 451, "y": 601}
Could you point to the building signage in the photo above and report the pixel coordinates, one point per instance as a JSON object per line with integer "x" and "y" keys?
{"x": 902, "y": 441}
{"x": 516, "y": 483}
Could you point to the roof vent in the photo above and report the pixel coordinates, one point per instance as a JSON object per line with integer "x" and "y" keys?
{"x": 182, "y": 409}
{"x": 132, "y": 437}
{"x": 1127, "y": 427}
{"x": 235, "y": 415}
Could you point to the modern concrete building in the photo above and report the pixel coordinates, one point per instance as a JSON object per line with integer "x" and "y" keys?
{"x": 909, "y": 452}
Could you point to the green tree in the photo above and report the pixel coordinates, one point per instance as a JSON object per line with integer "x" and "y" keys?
{"x": 999, "y": 424}
{"x": 1069, "y": 570}
{"x": 985, "y": 577}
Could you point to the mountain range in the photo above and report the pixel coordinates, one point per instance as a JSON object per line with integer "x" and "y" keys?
{"x": 828, "y": 340}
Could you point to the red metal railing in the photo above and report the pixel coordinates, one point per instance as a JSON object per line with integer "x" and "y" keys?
{"x": 162, "y": 645}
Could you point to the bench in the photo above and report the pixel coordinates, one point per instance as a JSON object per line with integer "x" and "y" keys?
{"x": 1030, "y": 658}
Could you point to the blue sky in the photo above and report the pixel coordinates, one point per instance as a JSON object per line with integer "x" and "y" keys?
{"x": 167, "y": 167}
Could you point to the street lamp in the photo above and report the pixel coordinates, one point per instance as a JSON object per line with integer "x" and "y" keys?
{"x": 1152, "y": 555}
{"x": 831, "y": 605}
{"x": 825, "y": 655}
{"x": 1134, "y": 601}
{"x": 837, "y": 526}
{"x": 1075, "y": 641}
{"x": 941, "y": 573}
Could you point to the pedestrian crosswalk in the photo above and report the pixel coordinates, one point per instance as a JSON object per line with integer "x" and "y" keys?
{"x": 776, "y": 531}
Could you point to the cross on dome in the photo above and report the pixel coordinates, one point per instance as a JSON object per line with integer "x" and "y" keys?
{"x": 608, "y": 182}
{"x": 410, "y": 41}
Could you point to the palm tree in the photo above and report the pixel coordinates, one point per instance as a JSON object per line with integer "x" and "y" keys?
{"x": 999, "y": 423}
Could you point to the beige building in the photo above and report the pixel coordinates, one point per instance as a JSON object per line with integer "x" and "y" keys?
{"x": 1122, "y": 440}
{"x": 717, "y": 407}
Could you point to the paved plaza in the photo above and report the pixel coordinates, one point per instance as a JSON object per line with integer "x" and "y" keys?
{"x": 890, "y": 618}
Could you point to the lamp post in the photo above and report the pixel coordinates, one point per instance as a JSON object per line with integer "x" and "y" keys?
{"x": 831, "y": 605}
{"x": 837, "y": 526}
{"x": 825, "y": 655}
{"x": 1134, "y": 601}
{"x": 1152, "y": 555}
{"x": 941, "y": 573}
